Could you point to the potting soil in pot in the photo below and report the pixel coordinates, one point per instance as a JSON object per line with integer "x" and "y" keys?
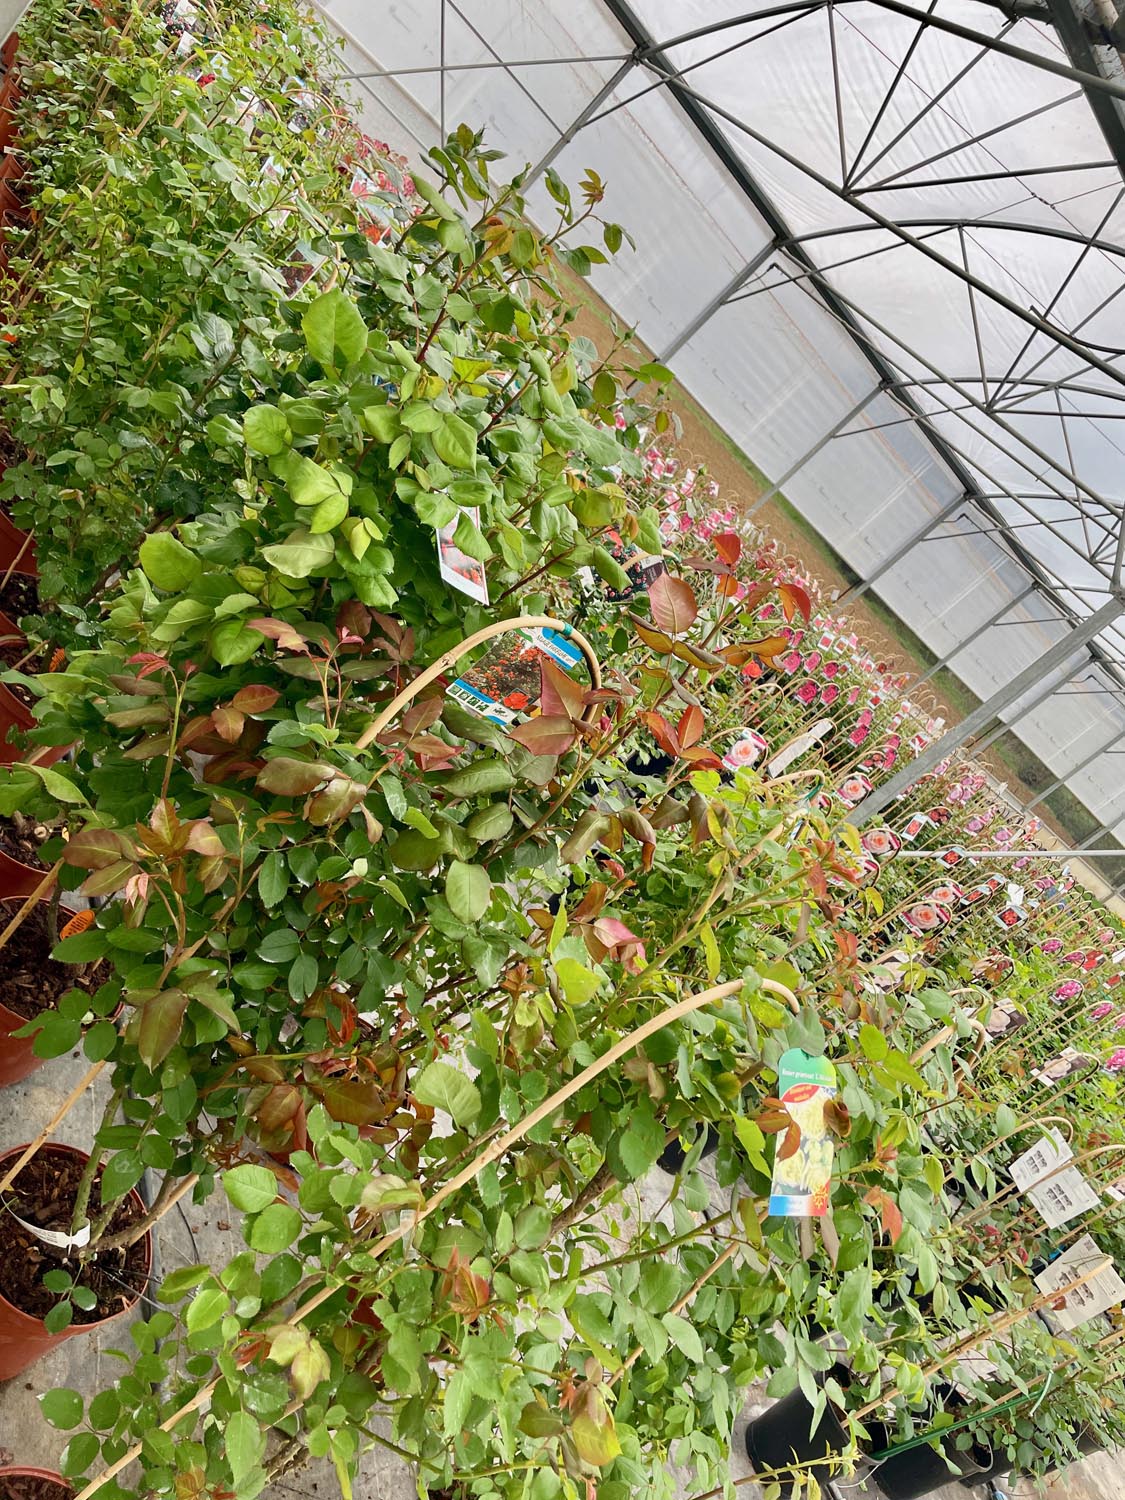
{"x": 30, "y": 982}
{"x": 22, "y": 842}
{"x": 19, "y": 596}
{"x": 18, "y": 654}
{"x": 32, "y": 1487}
{"x": 44, "y": 1194}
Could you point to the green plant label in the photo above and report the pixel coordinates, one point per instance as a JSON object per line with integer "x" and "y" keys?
{"x": 802, "y": 1165}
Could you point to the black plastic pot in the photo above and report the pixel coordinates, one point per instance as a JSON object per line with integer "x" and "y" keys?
{"x": 783, "y": 1439}
{"x": 1000, "y": 1465}
{"x": 921, "y": 1470}
{"x": 672, "y": 1158}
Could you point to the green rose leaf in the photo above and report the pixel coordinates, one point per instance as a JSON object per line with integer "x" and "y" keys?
{"x": 122, "y": 1171}
{"x": 250, "y": 1188}
{"x": 275, "y": 1229}
{"x": 232, "y": 643}
{"x": 310, "y": 483}
{"x": 79, "y": 1453}
{"x": 468, "y": 890}
{"x": 245, "y": 1444}
{"x": 455, "y": 442}
{"x": 332, "y": 325}
{"x": 61, "y": 1407}
{"x": 443, "y": 1087}
{"x": 206, "y": 1308}
{"x": 301, "y": 554}
{"x": 266, "y": 430}
{"x": 328, "y": 514}
{"x": 167, "y": 563}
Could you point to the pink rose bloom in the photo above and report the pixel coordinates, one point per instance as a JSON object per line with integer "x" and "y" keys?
{"x": 1119, "y": 1023}
{"x": 1050, "y": 945}
{"x": 1074, "y": 958}
{"x": 791, "y": 662}
{"x": 619, "y": 421}
{"x": 829, "y": 693}
{"x": 858, "y": 734}
{"x": 807, "y": 691}
{"x": 812, "y": 661}
{"x": 889, "y": 758}
{"x": 767, "y": 612}
{"x": 787, "y": 632}
{"x": 685, "y": 523}
{"x": 853, "y": 695}
{"x": 1116, "y": 1059}
{"x": 1101, "y": 1010}
{"x": 1070, "y": 989}
{"x": 831, "y": 668}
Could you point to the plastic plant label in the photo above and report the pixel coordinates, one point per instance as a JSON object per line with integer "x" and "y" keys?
{"x": 457, "y": 568}
{"x": 55, "y": 1237}
{"x": 914, "y": 827}
{"x": 1047, "y": 1154}
{"x": 802, "y": 1165}
{"x": 1079, "y": 1304}
{"x": 505, "y": 685}
{"x": 799, "y": 746}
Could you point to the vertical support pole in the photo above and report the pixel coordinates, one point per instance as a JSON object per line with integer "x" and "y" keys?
{"x": 1074, "y": 771}
{"x": 737, "y": 281}
{"x": 580, "y": 119}
{"x": 900, "y": 552}
{"x": 1023, "y": 682}
{"x": 815, "y": 449}
{"x": 992, "y": 620}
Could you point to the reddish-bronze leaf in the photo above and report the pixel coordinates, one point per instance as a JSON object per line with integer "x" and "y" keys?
{"x": 662, "y": 732}
{"x": 689, "y": 731}
{"x": 673, "y": 603}
{"x": 549, "y": 734}
{"x": 287, "y": 636}
{"x": 561, "y": 696}
{"x": 228, "y": 723}
{"x": 794, "y": 600}
{"x": 255, "y": 698}
{"x": 95, "y": 848}
{"x": 728, "y": 544}
{"x": 889, "y": 1211}
{"x": 655, "y": 640}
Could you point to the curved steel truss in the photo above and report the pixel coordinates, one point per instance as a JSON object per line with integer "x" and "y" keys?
{"x": 930, "y": 193}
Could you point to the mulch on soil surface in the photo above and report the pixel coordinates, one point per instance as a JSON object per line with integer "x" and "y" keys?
{"x": 32, "y": 1487}
{"x": 30, "y": 982}
{"x": 44, "y": 1194}
{"x": 22, "y": 844}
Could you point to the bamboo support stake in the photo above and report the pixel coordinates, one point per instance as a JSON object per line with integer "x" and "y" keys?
{"x": 455, "y": 653}
{"x": 37, "y": 895}
{"x": 491, "y": 1153}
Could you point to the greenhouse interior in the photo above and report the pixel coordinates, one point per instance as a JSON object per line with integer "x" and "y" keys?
{"x": 548, "y": 554}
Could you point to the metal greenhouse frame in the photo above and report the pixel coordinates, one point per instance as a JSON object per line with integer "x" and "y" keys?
{"x": 999, "y": 342}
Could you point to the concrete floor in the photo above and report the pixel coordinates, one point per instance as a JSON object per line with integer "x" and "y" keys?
{"x": 207, "y": 1235}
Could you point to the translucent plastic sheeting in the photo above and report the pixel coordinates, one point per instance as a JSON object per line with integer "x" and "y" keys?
{"x": 897, "y": 163}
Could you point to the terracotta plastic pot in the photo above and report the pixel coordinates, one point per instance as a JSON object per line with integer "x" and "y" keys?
{"x": 15, "y": 714}
{"x": 9, "y": 98}
{"x": 9, "y": 49}
{"x": 16, "y": 1471}
{"x": 23, "y": 1339}
{"x": 17, "y": 547}
{"x": 17, "y": 1057}
{"x": 16, "y": 878}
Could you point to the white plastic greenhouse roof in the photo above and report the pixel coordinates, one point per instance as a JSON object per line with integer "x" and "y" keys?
{"x": 897, "y": 221}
